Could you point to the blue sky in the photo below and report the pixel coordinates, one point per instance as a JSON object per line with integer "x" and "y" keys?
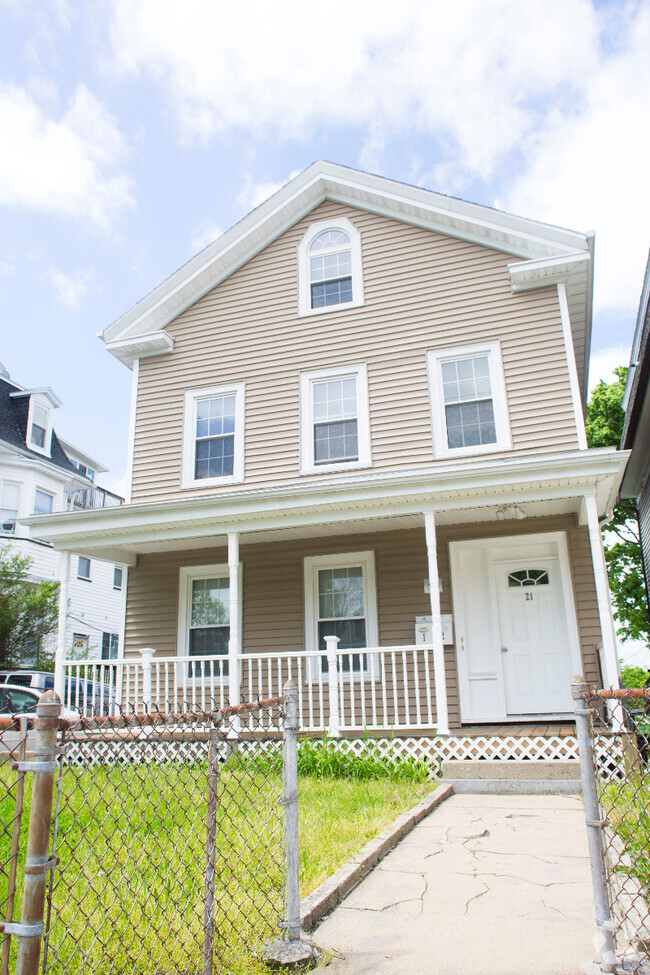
{"x": 135, "y": 131}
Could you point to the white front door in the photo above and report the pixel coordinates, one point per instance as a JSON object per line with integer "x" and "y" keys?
{"x": 535, "y": 653}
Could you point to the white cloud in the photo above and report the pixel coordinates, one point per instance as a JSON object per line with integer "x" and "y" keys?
{"x": 7, "y": 268}
{"x": 588, "y": 168}
{"x": 69, "y": 289}
{"x": 253, "y": 193}
{"x": 71, "y": 167}
{"x": 204, "y": 234}
{"x": 603, "y": 363}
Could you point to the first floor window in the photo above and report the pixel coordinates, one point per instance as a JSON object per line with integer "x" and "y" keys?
{"x": 335, "y": 424}
{"x": 110, "y": 644}
{"x": 43, "y": 502}
{"x": 83, "y": 568}
{"x": 468, "y": 400}
{"x": 204, "y": 619}
{"x": 214, "y": 445}
{"x": 9, "y": 499}
{"x": 340, "y": 601}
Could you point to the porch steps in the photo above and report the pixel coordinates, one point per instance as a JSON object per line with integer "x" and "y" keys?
{"x": 508, "y": 776}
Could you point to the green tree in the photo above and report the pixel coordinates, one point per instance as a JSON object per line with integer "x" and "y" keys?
{"x": 604, "y": 422}
{"x": 28, "y": 610}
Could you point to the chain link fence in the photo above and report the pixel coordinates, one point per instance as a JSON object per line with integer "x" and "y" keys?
{"x": 166, "y": 851}
{"x": 614, "y": 737}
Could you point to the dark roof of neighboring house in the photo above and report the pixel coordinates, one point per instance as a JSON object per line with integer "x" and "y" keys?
{"x": 13, "y": 428}
{"x": 637, "y": 384}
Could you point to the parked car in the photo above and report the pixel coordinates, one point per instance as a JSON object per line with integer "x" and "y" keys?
{"x": 23, "y": 700}
{"x": 86, "y": 696}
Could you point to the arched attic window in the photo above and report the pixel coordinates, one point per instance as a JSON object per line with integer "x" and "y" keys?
{"x": 330, "y": 268}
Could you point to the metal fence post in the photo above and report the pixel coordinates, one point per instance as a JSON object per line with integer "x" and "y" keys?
{"x": 334, "y": 725}
{"x": 37, "y": 862}
{"x": 583, "y": 716}
{"x": 292, "y": 949}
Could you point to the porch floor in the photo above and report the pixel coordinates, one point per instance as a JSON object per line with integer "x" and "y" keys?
{"x": 552, "y": 729}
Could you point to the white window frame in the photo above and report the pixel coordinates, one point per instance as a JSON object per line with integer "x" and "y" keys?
{"x": 435, "y": 358}
{"x": 49, "y": 494}
{"x": 304, "y": 282}
{"x": 192, "y": 398}
{"x": 187, "y": 575}
{"x": 10, "y": 484}
{"x": 34, "y": 401}
{"x": 311, "y": 566}
{"x": 307, "y": 380}
{"x": 116, "y": 569}
{"x": 87, "y": 578}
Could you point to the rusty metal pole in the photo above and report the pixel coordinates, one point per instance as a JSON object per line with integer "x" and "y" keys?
{"x": 37, "y": 863}
{"x": 583, "y": 718}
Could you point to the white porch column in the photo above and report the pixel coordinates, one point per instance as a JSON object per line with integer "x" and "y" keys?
{"x": 610, "y": 653}
{"x": 442, "y": 711}
{"x": 59, "y": 654}
{"x": 234, "y": 643}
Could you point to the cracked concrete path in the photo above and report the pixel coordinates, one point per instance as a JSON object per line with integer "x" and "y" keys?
{"x": 485, "y": 885}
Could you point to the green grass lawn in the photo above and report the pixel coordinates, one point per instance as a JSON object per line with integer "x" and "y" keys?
{"x": 627, "y": 807}
{"x": 129, "y": 893}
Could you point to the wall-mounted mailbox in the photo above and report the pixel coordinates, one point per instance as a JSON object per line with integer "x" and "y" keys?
{"x": 424, "y": 633}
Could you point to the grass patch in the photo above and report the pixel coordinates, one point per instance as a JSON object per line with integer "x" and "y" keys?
{"x": 627, "y": 808}
{"x": 129, "y": 894}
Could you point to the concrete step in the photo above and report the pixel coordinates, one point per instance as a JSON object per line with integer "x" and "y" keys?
{"x": 504, "y": 776}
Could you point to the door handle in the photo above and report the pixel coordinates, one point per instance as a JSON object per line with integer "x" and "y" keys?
{"x": 504, "y": 649}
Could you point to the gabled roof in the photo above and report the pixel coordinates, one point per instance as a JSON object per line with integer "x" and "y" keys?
{"x": 544, "y": 254}
{"x": 13, "y": 432}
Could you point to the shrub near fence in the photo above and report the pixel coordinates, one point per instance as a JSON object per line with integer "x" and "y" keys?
{"x": 169, "y": 842}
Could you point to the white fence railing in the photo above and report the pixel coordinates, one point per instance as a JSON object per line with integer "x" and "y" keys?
{"x": 374, "y": 688}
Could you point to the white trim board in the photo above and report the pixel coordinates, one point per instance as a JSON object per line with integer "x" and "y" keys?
{"x": 493, "y": 550}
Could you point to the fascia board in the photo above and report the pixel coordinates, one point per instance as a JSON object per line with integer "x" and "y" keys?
{"x": 46, "y": 391}
{"x": 25, "y": 460}
{"x": 525, "y": 275}
{"x": 82, "y": 455}
{"x": 470, "y": 221}
{"x": 566, "y": 474}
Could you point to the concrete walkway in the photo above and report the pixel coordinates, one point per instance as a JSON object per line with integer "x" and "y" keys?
{"x": 485, "y": 885}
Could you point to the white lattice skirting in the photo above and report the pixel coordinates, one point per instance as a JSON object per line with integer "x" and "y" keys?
{"x": 608, "y": 750}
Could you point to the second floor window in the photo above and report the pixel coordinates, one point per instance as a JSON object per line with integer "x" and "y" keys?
{"x": 83, "y": 568}
{"x": 117, "y": 577}
{"x": 214, "y": 436}
{"x": 468, "y": 400}
{"x": 43, "y": 502}
{"x": 9, "y": 499}
{"x": 335, "y": 425}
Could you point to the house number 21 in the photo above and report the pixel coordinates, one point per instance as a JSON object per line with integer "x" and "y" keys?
{"x": 529, "y": 597}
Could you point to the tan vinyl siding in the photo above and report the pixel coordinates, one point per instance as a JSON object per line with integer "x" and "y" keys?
{"x": 422, "y": 291}
{"x": 274, "y": 600}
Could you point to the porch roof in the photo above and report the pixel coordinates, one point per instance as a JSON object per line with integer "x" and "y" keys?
{"x": 547, "y": 484}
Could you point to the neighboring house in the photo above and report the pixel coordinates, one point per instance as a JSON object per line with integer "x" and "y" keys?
{"x": 636, "y": 430}
{"x": 358, "y": 414}
{"x": 41, "y": 473}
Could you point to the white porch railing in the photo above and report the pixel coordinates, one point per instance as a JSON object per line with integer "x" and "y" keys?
{"x": 370, "y": 689}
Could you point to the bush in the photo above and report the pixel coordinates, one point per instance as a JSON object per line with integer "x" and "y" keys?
{"x": 633, "y": 676}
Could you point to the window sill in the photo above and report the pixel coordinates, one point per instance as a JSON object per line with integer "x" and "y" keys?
{"x": 211, "y": 482}
{"x": 451, "y": 453}
{"x": 343, "y": 306}
{"x": 83, "y": 579}
{"x": 355, "y": 465}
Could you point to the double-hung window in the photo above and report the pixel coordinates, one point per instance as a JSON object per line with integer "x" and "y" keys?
{"x": 9, "y": 500}
{"x": 204, "y": 620}
{"x": 213, "y": 450}
{"x": 335, "y": 423}
{"x": 340, "y": 601}
{"x": 43, "y": 502}
{"x": 468, "y": 400}
{"x": 330, "y": 267}
{"x": 83, "y": 568}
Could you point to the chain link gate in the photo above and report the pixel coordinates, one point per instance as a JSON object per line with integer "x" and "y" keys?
{"x": 613, "y": 729}
{"x": 171, "y": 847}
